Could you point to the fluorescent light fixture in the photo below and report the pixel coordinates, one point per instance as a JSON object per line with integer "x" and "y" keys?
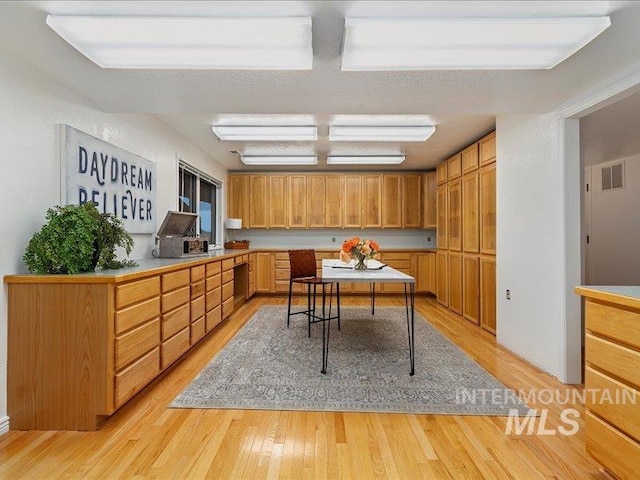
{"x": 395, "y": 133}
{"x": 189, "y": 42}
{"x": 279, "y": 159}
{"x": 365, "y": 160}
{"x": 266, "y": 132}
{"x": 465, "y": 43}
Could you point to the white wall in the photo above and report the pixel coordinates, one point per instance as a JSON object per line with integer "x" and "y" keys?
{"x": 614, "y": 240}
{"x": 30, "y": 107}
{"x": 530, "y": 243}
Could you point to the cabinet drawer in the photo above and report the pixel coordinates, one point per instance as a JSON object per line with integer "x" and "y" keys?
{"x": 613, "y": 359}
{"x": 618, "y": 453}
{"x": 620, "y": 325}
{"x": 134, "y": 292}
{"x": 252, "y": 277}
{"x": 394, "y": 256}
{"x": 175, "y": 299}
{"x": 227, "y": 291}
{"x": 213, "y": 318}
{"x": 283, "y": 265}
{"x": 136, "y": 343}
{"x": 175, "y": 321}
{"x": 173, "y": 280}
{"x": 214, "y": 268}
{"x": 173, "y": 348}
{"x": 213, "y": 298}
{"x": 282, "y": 256}
{"x": 402, "y": 265}
{"x": 227, "y": 264}
{"x": 197, "y": 289}
{"x": 252, "y": 264}
{"x": 214, "y": 282}
{"x": 137, "y": 314}
{"x": 282, "y": 274}
{"x": 197, "y": 273}
{"x": 227, "y": 308}
{"x": 227, "y": 276}
{"x": 133, "y": 378}
{"x": 619, "y": 405}
{"x": 197, "y": 308}
{"x": 197, "y": 330}
{"x": 241, "y": 259}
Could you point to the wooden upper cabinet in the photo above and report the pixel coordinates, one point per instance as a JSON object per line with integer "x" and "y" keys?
{"x": 334, "y": 201}
{"x": 316, "y": 200}
{"x": 488, "y": 149}
{"x": 470, "y": 213}
{"x": 455, "y": 215}
{"x": 391, "y": 201}
{"x": 412, "y": 200}
{"x": 441, "y": 173}
{"x": 470, "y": 158}
{"x": 352, "y": 201}
{"x": 429, "y": 200}
{"x": 238, "y": 198}
{"x": 488, "y": 209}
{"x": 259, "y": 204}
{"x": 443, "y": 216}
{"x": 278, "y": 201}
{"x": 454, "y": 166}
{"x": 297, "y": 193}
{"x": 372, "y": 207}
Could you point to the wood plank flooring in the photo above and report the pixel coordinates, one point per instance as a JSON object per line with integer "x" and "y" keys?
{"x": 145, "y": 439}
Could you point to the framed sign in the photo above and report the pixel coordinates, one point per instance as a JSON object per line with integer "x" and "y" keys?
{"x": 117, "y": 181}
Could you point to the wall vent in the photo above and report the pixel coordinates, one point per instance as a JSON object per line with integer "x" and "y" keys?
{"x": 613, "y": 176}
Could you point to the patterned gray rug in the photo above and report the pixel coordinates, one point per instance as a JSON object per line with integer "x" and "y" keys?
{"x": 271, "y": 367}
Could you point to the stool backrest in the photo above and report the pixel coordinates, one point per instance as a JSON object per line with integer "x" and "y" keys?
{"x": 302, "y": 263}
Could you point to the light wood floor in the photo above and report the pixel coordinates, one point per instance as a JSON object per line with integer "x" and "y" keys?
{"x": 144, "y": 439}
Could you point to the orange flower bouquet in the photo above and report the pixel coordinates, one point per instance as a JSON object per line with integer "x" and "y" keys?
{"x": 360, "y": 250}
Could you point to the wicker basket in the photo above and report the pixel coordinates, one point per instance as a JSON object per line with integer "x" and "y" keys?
{"x": 237, "y": 245}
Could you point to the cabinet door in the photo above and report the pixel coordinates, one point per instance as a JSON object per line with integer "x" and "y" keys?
{"x": 454, "y": 166}
{"x": 315, "y": 200}
{"x": 471, "y": 288}
{"x": 470, "y": 158}
{"x": 238, "y": 197}
{"x": 443, "y": 216}
{"x": 488, "y": 293}
{"x": 258, "y": 206}
{"x": 470, "y": 213}
{"x": 297, "y": 193}
{"x": 352, "y": 201}
{"x": 277, "y": 201}
{"x": 441, "y": 173}
{"x": 488, "y": 209}
{"x": 429, "y": 200}
{"x": 265, "y": 269}
{"x": 442, "y": 278}
{"x": 425, "y": 272}
{"x": 372, "y": 208}
{"x": 455, "y": 215}
{"x": 391, "y": 201}
{"x": 334, "y": 200}
{"x": 455, "y": 282}
{"x": 488, "y": 149}
{"x": 411, "y": 200}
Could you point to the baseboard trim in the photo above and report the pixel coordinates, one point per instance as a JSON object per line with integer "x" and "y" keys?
{"x": 4, "y": 425}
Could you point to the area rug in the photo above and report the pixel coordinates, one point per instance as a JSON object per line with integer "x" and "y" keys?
{"x": 271, "y": 367}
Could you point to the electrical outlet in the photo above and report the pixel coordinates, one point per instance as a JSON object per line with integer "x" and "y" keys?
{"x": 428, "y": 239}
{"x": 508, "y": 294}
{"x": 333, "y": 239}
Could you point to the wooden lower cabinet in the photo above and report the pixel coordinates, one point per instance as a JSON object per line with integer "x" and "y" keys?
{"x": 455, "y": 282}
{"x": 442, "y": 278}
{"x": 425, "y": 272}
{"x": 471, "y": 288}
{"x": 488, "y": 293}
{"x": 106, "y": 335}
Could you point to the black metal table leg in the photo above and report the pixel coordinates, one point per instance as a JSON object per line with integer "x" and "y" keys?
{"x": 372, "y": 290}
{"x": 326, "y": 326}
{"x": 409, "y": 301}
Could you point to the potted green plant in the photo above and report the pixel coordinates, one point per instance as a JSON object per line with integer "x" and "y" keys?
{"x": 76, "y": 239}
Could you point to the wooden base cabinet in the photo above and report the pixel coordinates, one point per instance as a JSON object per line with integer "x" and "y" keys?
{"x": 471, "y": 288}
{"x": 488, "y": 293}
{"x": 425, "y": 272}
{"x": 455, "y": 282}
{"x": 442, "y": 278}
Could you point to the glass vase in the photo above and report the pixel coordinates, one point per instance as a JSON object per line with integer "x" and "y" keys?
{"x": 360, "y": 265}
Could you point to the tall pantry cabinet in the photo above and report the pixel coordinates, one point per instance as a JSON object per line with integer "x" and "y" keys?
{"x": 467, "y": 233}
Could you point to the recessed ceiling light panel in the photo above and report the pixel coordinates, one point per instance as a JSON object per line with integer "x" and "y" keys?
{"x": 395, "y": 133}
{"x": 266, "y": 132}
{"x": 465, "y": 43}
{"x": 279, "y": 159}
{"x": 365, "y": 160}
{"x": 189, "y": 42}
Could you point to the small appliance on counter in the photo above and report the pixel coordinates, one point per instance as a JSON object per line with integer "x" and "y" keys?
{"x": 175, "y": 241}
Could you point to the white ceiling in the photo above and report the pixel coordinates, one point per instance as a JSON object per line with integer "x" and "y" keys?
{"x": 462, "y": 104}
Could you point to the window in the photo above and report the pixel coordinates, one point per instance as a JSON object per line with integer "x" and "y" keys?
{"x": 199, "y": 193}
